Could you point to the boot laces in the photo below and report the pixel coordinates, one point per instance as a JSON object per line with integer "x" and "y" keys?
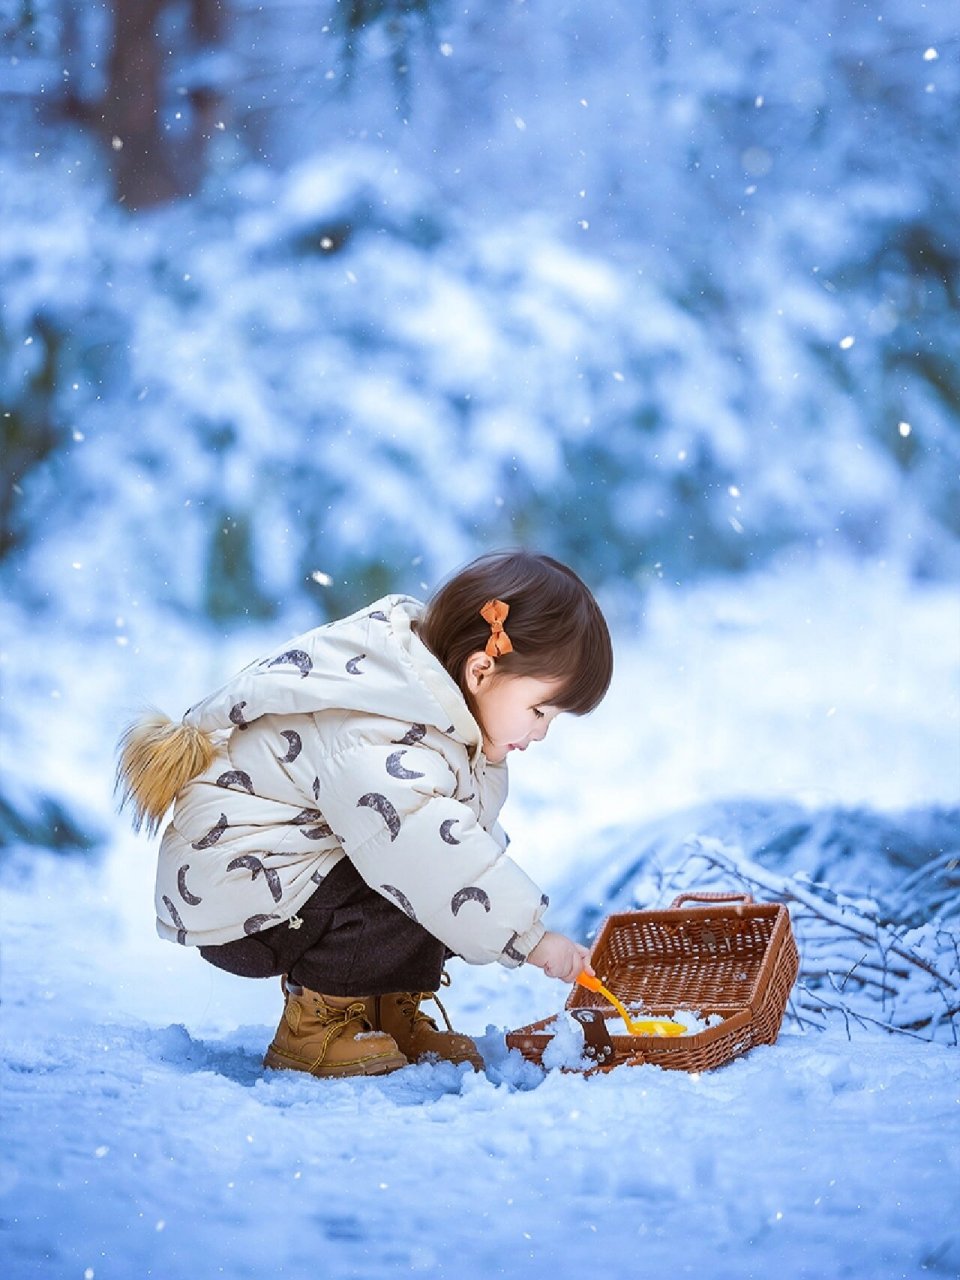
{"x": 409, "y": 1003}
{"x": 337, "y": 1015}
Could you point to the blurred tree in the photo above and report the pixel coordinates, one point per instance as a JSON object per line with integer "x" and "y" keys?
{"x": 398, "y": 20}
{"x": 28, "y": 432}
{"x": 149, "y": 165}
{"x": 169, "y": 69}
{"x": 232, "y": 583}
{"x": 131, "y": 109}
{"x": 152, "y": 79}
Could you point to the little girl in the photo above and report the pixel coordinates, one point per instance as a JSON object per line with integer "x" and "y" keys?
{"x": 336, "y": 806}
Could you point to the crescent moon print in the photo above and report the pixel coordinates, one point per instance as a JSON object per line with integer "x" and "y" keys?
{"x": 379, "y": 615}
{"x": 416, "y": 733}
{"x": 318, "y": 832}
{"x": 403, "y": 902}
{"x": 189, "y": 898}
{"x": 373, "y": 800}
{"x": 236, "y": 778}
{"x": 273, "y": 883}
{"x": 236, "y": 716}
{"x": 316, "y": 788}
{"x": 255, "y": 923}
{"x": 470, "y": 894}
{"x": 305, "y": 817}
{"x": 353, "y": 664}
{"x": 175, "y": 917}
{"x": 248, "y": 862}
{"x": 396, "y": 769}
{"x": 446, "y": 831}
{"x": 296, "y": 658}
{"x": 294, "y": 746}
{"x": 511, "y": 951}
{"x": 213, "y": 835}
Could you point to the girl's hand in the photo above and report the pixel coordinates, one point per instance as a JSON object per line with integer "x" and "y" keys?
{"x": 560, "y": 957}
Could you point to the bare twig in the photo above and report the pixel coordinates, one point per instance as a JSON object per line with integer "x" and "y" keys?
{"x": 855, "y": 957}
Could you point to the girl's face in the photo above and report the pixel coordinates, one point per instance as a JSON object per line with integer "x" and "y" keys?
{"x": 513, "y": 711}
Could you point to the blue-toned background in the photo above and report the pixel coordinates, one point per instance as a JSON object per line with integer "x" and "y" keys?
{"x": 359, "y": 289}
{"x": 302, "y": 301}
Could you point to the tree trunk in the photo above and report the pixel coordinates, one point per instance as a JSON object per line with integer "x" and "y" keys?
{"x": 149, "y": 165}
{"x": 143, "y": 173}
{"x": 206, "y": 19}
{"x": 205, "y": 95}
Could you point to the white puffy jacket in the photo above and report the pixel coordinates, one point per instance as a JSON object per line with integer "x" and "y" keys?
{"x": 350, "y": 741}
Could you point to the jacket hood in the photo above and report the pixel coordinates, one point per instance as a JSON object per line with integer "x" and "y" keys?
{"x": 372, "y": 661}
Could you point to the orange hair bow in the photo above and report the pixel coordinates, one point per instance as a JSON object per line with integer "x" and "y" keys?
{"x": 495, "y": 612}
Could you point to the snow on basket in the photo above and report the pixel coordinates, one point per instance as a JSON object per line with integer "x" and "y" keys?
{"x": 729, "y": 960}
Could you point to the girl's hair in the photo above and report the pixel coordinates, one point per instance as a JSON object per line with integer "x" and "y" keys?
{"x": 554, "y": 624}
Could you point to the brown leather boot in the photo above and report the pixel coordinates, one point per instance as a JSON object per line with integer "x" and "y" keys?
{"x": 329, "y": 1039}
{"x": 416, "y": 1033}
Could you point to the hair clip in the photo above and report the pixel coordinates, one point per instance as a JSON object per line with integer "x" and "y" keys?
{"x": 495, "y": 612}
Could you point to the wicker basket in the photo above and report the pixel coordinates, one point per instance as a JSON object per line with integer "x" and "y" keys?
{"x": 728, "y": 956}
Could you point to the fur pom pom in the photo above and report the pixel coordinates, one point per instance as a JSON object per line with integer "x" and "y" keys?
{"x": 157, "y": 759}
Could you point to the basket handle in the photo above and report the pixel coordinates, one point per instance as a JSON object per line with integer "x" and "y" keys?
{"x": 708, "y": 896}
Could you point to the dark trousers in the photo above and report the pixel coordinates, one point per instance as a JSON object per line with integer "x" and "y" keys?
{"x": 351, "y": 942}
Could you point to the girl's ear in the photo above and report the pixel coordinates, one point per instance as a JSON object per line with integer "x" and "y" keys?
{"x": 478, "y": 668}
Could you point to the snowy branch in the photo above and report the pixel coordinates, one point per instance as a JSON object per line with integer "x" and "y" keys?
{"x": 855, "y": 959}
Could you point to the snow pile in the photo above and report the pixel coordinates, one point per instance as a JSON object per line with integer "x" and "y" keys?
{"x": 565, "y": 1047}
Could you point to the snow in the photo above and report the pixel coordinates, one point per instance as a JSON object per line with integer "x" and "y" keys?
{"x": 565, "y": 1046}
{"x": 139, "y": 1146}
{"x": 142, "y": 1138}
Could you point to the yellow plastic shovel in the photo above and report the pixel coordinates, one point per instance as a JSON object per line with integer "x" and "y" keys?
{"x": 641, "y": 1027}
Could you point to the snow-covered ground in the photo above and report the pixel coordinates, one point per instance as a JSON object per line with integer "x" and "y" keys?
{"x": 141, "y": 1139}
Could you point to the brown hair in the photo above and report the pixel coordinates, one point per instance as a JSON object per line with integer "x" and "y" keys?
{"x": 555, "y": 625}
